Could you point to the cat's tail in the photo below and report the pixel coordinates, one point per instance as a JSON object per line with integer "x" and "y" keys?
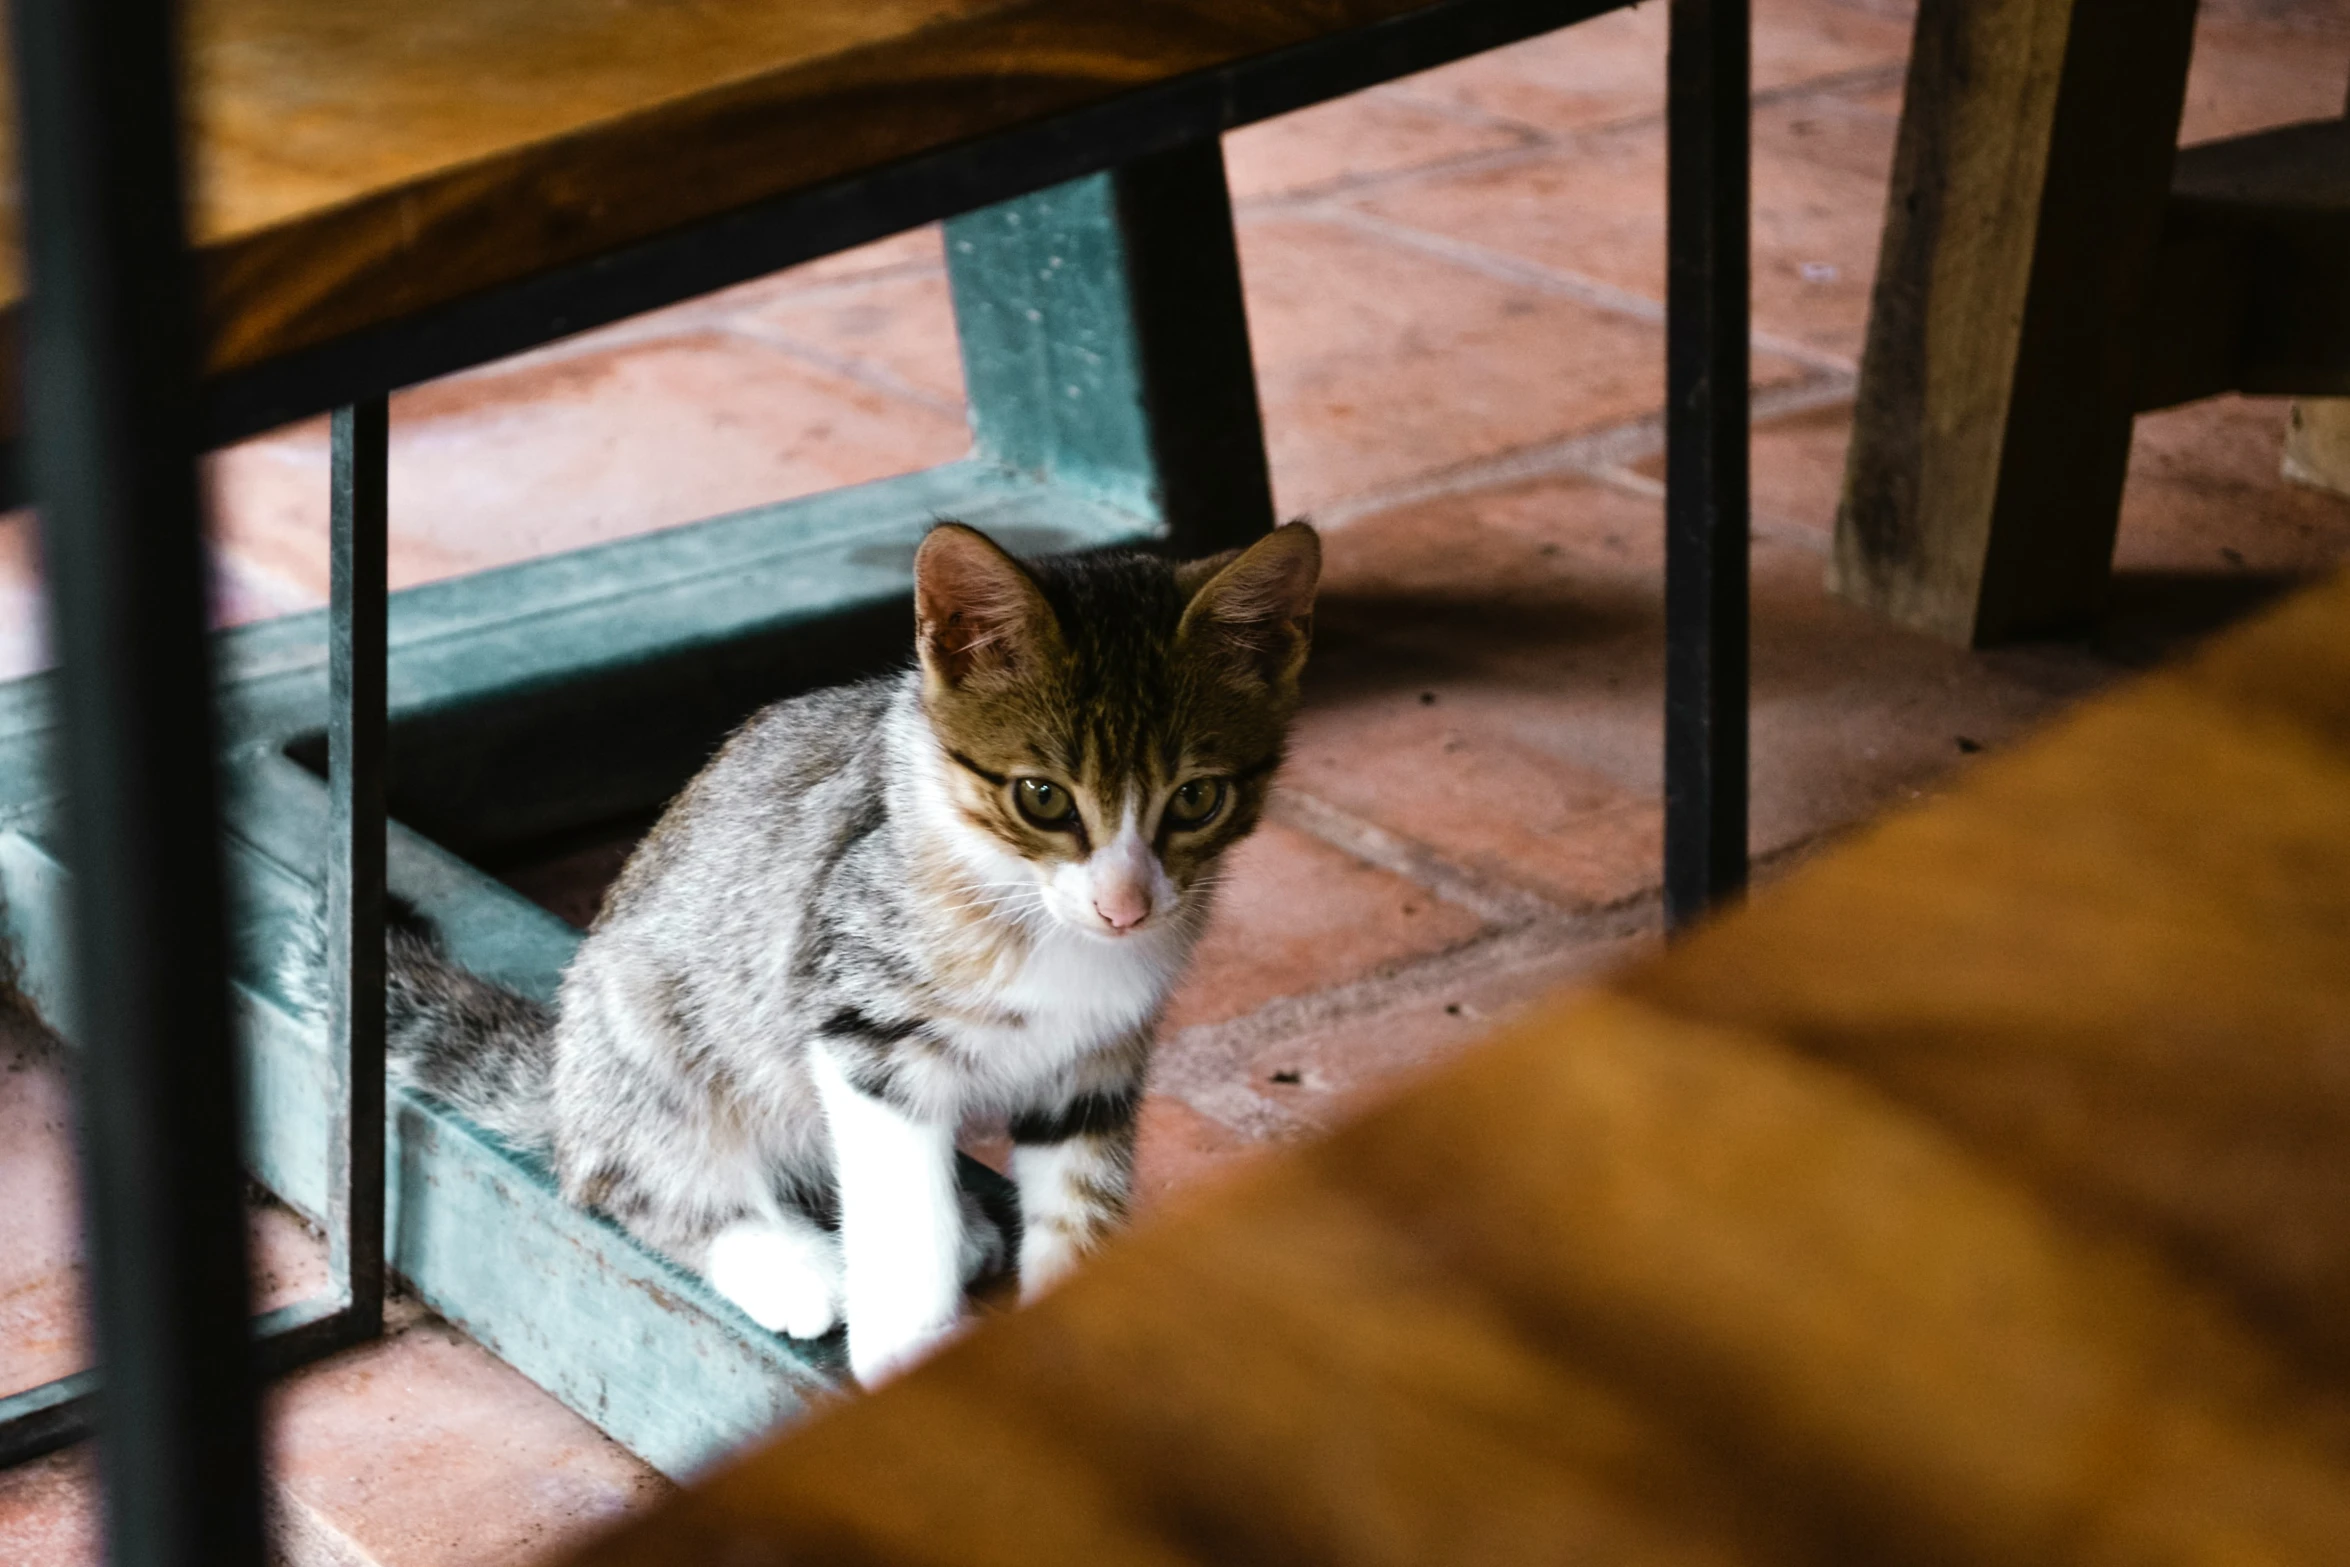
{"x": 485, "y": 1050}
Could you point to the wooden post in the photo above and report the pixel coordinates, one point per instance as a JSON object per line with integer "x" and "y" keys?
{"x": 2317, "y": 437}
{"x": 1992, "y": 426}
{"x": 2317, "y": 444}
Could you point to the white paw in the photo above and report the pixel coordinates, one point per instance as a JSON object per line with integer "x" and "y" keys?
{"x": 880, "y": 1349}
{"x": 786, "y": 1279}
{"x": 1046, "y": 1257}
{"x": 984, "y": 1249}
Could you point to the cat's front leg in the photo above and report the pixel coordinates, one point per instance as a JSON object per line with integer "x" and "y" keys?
{"x": 1074, "y": 1164}
{"x": 901, "y": 1222}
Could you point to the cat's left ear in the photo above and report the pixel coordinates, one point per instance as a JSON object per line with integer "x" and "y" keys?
{"x": 1258, "y": 609}
{"x": 977, "y": 612}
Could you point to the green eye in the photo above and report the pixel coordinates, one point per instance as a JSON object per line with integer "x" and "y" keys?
{"x": 1043, "y": 803}
{"x": 1196, "y": 803}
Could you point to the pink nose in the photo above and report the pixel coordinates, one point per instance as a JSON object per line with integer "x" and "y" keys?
{"x": 1122, "y": 907}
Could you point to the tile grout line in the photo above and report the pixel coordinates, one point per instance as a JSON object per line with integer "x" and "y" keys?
{"x": 1203, "y": 1066}
{"x": 873, "y": 377}
{"x": 1506, "y": 268}
{"x": 300, "y": 1535}
{"x": 1759, "y": 525}
{"x": 1291, "y": 203}
{"x": 686, "y": 318}
{"x": 1539, "y": 141}
{"x": 1467, "y": 114}
{"x": 1605, "y": 454}
{"x": 1497, "y": 903}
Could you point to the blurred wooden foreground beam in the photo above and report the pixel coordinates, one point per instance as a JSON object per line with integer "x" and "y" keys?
{"x": 1981, "y": 1194}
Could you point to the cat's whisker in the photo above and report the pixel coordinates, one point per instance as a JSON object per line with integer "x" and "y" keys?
{"x": 1017, "y": 905}
{"x": 987, "y": 898}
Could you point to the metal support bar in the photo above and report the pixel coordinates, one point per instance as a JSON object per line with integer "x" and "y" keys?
{"x": 1706, "y": 457}
{"x": 57, "y": 1414}
{"x": 355, "y": 864}
{"x": 1105, "y": 345}
{"x": 44, "y": 1418}
{"x": 112, "y": 417}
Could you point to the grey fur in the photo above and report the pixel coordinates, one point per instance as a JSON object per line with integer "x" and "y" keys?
{"x": 785, "y": 919}
{"x": 483, "y": 1049}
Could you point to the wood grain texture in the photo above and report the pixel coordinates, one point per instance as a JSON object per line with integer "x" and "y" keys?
{"x": 1979, "y": 1195}
{"x": 1992, "y": 423}
{"x": 354, "y": 165}
{"x": 2317, "y": 444}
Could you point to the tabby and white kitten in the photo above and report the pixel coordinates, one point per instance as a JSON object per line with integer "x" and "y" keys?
{"x": 883, "y": 909}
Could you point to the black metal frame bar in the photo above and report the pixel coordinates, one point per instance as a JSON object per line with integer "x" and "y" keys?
{"x": 44, "y": 1418}
{"x": 113, "y": 419}
{"x": 355, "y": 873}
{"x": 1706, "y": 310}
{"x": 113, "y": 423}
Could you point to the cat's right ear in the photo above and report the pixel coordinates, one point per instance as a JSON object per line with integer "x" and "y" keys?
{"x": 977, "y": 612}
{"x": 1257, "y": 611}
{"x": 1193, "y": 575}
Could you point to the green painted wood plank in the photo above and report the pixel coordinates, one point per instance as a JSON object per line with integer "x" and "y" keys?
{"x": 543, "y": 623}
{"x": 581, "y": 687}
{"x": 32, "y": 930}
{"x": 1105, "y": 344}
{"x": 645, "y": 1350}
{"x": 699, "y": 585}
{"x": 562, "y": 690}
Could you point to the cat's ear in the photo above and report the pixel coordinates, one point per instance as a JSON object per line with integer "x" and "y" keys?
{"x": 976, "y": 609}
{"x": 1192, "y": 575}
{"x": 1258, "y": 608}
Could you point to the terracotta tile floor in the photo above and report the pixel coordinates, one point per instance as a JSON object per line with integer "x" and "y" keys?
{"x": 1453, "y": 285}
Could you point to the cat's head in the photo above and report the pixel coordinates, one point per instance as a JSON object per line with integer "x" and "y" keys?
{"x": 1112, "y": 722}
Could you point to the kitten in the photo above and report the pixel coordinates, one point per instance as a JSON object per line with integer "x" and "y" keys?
{"x": 881, "y": 909}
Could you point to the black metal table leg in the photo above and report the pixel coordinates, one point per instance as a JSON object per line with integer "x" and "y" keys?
{"x": 355, "y": 869}
{"x": 113, "y": 427}
{"x": 1706, "y": 456}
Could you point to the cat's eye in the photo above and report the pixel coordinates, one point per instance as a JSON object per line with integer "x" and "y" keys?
{"x": 1044, "y": 803}
{"x": 1196, "y": 803}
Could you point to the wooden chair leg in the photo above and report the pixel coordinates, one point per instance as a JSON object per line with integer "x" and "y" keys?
{"x": 1105, "y": 345}
{"x": 2317, "y": 438}
{"x": 1993, "y": 420}
{"x": 2317, "y": 444}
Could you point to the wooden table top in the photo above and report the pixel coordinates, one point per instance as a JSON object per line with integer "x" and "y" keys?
{"x": 1980, "y": 1194}
{"x": 356, "y": 164}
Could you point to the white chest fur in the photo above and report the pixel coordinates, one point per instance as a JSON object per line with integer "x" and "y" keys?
{"x": 1069, "y": 995}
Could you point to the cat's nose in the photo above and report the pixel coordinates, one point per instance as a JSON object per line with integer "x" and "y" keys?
{"x": 1122, "y": 906}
